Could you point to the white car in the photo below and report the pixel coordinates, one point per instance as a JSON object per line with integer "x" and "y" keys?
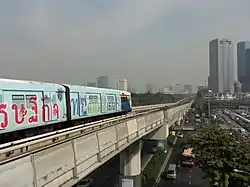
{"x": 85, "y": 182}
{"x": 180, "y": 135}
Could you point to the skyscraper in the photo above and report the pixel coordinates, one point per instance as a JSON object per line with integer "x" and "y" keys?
{"x": 103, "y": 82}
{"x": 121, "y": 85}
{"x": 222, "y": 70}
{"x": 149, "y": 88}
{"x": 243, "y": 64}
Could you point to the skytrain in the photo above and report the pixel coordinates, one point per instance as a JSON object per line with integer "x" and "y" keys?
{"x": 29, "y": 107}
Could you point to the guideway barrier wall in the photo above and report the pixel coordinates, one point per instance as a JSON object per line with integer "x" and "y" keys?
{"x": 67, "y": 163}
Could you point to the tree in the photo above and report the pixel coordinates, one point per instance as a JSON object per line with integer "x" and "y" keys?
{"x": 218, "y": 153}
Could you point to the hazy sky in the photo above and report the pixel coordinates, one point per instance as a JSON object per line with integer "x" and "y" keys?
{"x": 74, "y": 41}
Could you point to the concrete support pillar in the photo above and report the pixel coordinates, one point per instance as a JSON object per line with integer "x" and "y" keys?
{"x": 130, "y": 166}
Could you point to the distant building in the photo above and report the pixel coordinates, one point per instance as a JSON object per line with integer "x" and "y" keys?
{"x": 149, "y": 88}
{"x": 188, "y": 88}
{"x": 103, "y": 82}
{"x": 222, "y": 70}
{"x": 91, "y": 84}
{"x": 237, "y": 87}
{"x": 121, "y": 85}
{"x": 178, "y": 89}
{"x": 243, "y": 64}
{"x": 166, "y": 90}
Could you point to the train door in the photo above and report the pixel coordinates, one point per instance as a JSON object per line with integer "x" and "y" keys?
{"x": 103, "y": 101}
{"x": 82, "y": 103}
{"x": 118, "y": 102}
{"x": 74, "y": 103}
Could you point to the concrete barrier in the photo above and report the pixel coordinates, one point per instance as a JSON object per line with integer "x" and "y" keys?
{"x": 66, "y": 163}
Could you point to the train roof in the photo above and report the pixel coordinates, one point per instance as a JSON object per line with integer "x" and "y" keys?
{"x": 12, "y": 84}
{"x": 125, "y": 93}
{"x": 88, "y": 88}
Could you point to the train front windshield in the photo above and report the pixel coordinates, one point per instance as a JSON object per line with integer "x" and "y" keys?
{"x": 125, "y": 101}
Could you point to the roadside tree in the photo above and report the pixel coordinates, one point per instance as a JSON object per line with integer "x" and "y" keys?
{"x": 221, "y": 155}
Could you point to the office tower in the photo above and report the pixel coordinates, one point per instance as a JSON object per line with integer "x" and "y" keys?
{"x": 103, "y": 82}
{"x": 149, "y": 88}
{"x": 222, "y": 70}
{"x": 121, "y": 85}
{"x": 243, "y": 64}
{"x": 91, "y": 84}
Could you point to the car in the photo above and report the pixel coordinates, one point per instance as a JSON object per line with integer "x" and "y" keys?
{"x": 171, "y": 172}
{"x": 180, "y": 135}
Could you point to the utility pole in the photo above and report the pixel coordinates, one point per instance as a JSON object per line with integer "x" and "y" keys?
{"x": 209, "y": 109}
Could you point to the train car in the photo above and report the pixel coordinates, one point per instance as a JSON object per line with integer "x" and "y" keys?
{"x": 85, "y": 102}
{"x": 28, "y": 104}
{"x": 126, "y": 101}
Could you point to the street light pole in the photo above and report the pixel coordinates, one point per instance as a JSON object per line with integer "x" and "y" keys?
{"x": 209, "y": 108}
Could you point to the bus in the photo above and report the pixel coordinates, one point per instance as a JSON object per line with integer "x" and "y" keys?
{"x": 188, "y": 157}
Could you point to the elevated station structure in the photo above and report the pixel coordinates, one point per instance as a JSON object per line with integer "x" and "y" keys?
{"x": 64, "y": 159}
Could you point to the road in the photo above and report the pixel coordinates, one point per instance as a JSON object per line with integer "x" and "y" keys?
{"x": 229, "y": 123}
{"x": 186, "y": 177}
{"x": 108, "y": 174}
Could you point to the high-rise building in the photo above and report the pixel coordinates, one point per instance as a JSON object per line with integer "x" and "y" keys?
{"x": 222, "y": 70}
{"x": 243, "y": 64}
{"x": 121, "y": 85}
{"x": 149, "y": 88}
{"x": 103, "y": 82}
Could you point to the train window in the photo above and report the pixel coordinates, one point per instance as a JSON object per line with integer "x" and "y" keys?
{"x": 93, "y": 99}
{"x": 46, "y": 99}
{"x": 54, "y": 99}
{"x": 18, "y": 100}
{"x": 96, "y": 99}
{"x": 124, "y": 99}
{"x": 90, "y": 97}
{"x": 110, "y": 98}
{"x": 1, "y": 98}
{"x": 28, "y": 104}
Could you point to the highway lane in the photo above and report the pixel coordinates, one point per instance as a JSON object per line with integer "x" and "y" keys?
{"x": 190, "y": 177}
{"x": 229, "y": 122}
